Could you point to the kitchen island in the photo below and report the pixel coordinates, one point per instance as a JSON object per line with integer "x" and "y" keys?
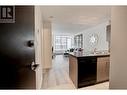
{"x": 88, "y": 69}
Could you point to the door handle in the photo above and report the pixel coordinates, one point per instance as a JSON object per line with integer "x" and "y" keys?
{"x": 34, "y": 66}
{"x": 30, "y": 43}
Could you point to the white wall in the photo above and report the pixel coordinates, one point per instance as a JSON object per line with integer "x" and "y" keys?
{"x": 47, "y": 45}
{"x": 38, "y": 45}
{"x": 101, "y": 31}
{"x": 57, "y": 33}
{"x": 118, "y": 64}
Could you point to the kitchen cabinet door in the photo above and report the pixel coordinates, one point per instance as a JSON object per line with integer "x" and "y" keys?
{"x": 102, "y": 69}
{"x": 73, "y": 70}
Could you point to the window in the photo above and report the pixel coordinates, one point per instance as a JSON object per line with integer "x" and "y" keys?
{"x": 62, "y": 43}
{"x": 78, "y": 41}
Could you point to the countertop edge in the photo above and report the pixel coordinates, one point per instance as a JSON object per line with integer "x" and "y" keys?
{"x": 96, "y": 55}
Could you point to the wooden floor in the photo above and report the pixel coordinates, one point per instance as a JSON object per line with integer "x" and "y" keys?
{"x": 58, "y": 76}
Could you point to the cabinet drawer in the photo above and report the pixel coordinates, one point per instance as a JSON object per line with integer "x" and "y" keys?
{"x": 87, "y": 59}
{"x": 102, "y": 59}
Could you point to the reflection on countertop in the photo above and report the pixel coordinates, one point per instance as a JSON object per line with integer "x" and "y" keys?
{"x": 85, "y": 54}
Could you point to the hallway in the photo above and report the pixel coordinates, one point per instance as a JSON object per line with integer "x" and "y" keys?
{"x": 58, "y": 76}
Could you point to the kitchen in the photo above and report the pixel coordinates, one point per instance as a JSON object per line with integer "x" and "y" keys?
{"x": 90, "y": 41}
{"x": 87, "y": 68}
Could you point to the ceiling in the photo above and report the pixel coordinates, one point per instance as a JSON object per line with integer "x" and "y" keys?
{"x": 73, "y": 19}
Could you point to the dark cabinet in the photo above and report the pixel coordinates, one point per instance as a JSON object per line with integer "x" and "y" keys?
{"x": 86, "y": 71}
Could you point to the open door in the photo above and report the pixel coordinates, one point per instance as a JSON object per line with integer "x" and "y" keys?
{"x": 17, "y": 51}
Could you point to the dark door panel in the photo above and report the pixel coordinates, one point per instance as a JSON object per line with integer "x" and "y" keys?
{"x": 15, "y": 54}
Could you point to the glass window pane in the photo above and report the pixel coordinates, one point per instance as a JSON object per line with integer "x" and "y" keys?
{"x": 61, "y": 42}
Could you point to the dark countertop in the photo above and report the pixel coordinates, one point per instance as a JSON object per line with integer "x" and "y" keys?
{"x": 86, "y": 54}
